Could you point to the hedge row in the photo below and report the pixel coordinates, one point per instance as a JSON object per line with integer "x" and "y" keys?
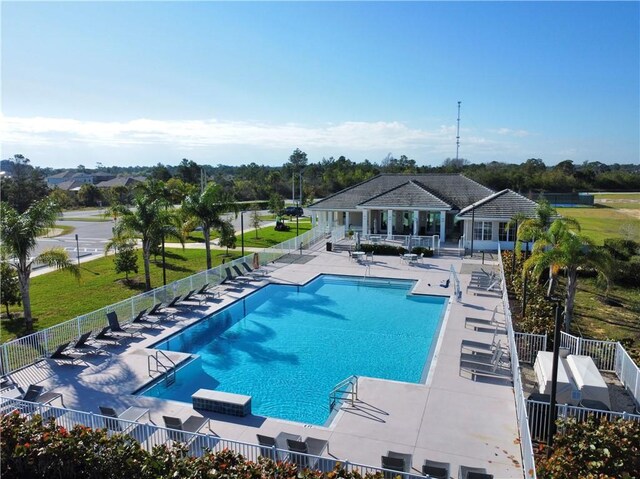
{"x": 390, "y": 250}
{"x": 31, "y": 448}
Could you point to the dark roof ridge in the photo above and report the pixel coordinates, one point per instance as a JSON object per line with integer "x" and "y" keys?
{"x": 474, "y": 181}
{"x": 346, "y": 189}
{"x": 430, "y": 191}
{"x": 482, "y": 201}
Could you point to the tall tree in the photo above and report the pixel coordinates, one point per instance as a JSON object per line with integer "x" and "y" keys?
{"x": 19, "y": 234}
{"x": 560, "y": 248}
{"x": 25, "y": 185}
{"x": 149, "y": 219}
{"x": 188, "y": 171}
{"x": 208, "y": 208}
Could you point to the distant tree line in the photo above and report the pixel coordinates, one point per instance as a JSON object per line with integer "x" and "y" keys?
{"x": 259, "y": 182}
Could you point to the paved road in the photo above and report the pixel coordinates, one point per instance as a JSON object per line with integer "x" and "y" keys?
{"x": 94, "y": 235}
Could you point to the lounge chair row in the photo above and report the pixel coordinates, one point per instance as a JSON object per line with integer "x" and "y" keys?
{"x": 480, "y": 358}
{"x": 88, "y": 344}
{"x": 401, "y": 462}
{"x": 249, "y": 274}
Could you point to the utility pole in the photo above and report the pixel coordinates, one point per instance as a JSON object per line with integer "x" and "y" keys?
{"x": 300, "y": 187}
{"x": 458, "y": 134}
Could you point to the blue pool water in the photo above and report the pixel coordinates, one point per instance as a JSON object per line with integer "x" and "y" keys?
{"x": 288, "y": 346}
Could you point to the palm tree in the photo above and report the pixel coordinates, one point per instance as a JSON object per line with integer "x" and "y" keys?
{"x": 149, "y": 219}
{"x": 19, "y": 234}
{"x": 530, "y": 229}
{"x": 560, "y": 248}
{"x": 208, "y": 207}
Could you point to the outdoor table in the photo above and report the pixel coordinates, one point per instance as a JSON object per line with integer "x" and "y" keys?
{"x": 410, "y": 257}
{"x": 358, "y": 255}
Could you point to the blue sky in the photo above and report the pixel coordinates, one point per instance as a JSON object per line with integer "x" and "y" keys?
{"x": 126, "y": 83}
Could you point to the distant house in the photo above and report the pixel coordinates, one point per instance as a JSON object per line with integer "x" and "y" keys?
{"x": 61, "y": 180}
{"x": 127, "y": 181}
{"x": 451, "y": 206}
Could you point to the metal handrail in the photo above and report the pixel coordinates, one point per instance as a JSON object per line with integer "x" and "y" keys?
{"x": 337, "y": 393}
{"x": 167, "y": 369}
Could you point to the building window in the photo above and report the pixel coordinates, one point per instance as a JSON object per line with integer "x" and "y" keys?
{"x": 506, "y": 234}
{"x": 482, "y": 230}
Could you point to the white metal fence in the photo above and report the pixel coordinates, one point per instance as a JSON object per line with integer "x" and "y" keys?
{"x": 532, "y": 415}
{"x": 24, "y": 351}
{"x": 539, "y": 413}
{"x": 526, "y": 446}
{"x": 529, "y": 344}
{"x": 151, "y": 435}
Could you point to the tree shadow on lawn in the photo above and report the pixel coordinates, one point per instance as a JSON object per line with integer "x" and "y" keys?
{"x": 15, "y": 325}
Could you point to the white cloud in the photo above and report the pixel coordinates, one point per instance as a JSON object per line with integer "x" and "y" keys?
{"x": 511, "y": 132}
{"x": 394, "y": 135}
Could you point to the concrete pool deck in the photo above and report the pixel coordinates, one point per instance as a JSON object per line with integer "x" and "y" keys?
{"x": 451, "y": 418}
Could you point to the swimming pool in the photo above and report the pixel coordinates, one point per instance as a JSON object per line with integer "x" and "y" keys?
{"x": 288, "y": 346}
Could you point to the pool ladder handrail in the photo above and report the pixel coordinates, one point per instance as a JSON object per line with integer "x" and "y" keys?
{"x": 342, "y": 389}
{"x": 169, "y": 371}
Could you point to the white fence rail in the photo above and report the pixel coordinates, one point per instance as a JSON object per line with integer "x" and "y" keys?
{"x": 24, "y": 351}
{"x": 532, "y": 415}
{"x": 603, "y": 353}
{"x": 538, "y": 416}
{"x": 526, "y": 446}
{"x": 529, "y": 344}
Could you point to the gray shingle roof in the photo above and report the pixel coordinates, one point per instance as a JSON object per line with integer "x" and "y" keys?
{"x": 503, "y": 205}
{"x": 456, "y": 190}
{"x": 119, "y": 181}
{"x": 69, "y": 185}
{"x": 64, "y": 174}
{"x": 408, "y": 195}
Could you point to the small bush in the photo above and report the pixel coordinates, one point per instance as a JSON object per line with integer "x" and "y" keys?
{"x": 428, "y": 253}
{"x": 622, "y": 249}
{"x": 627, "y": 273}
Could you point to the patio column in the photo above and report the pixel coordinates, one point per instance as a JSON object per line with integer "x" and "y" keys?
{"x": 365, "y": 222}
{"x": 389, "y": 224}
{"x": 330, "y": 219}
{"x": 443, "y": 224}
{"x": 416, "y": 220}
{"x": 347, "y": 221}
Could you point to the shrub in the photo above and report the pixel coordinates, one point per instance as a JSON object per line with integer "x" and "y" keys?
{"x": 428, "y": 253}
{"x": 622, "y": 249}
{"x": 36, "y": 449}
{"x": 593, "y": 449}
{"x": 383, "y": 249}
{"x": 627, "y": 273}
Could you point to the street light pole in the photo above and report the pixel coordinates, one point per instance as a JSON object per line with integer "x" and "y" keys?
{"x": 164, "y": 270}
{"x": 551, "y": 426}
{"x": 77, "y": 250}
{"x": 242, "y": 230}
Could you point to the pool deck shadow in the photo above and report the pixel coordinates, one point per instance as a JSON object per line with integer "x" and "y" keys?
{"x": 449, "y": 418}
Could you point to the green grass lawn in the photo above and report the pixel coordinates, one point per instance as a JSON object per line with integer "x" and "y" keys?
{"x": 595, "y": 319}
{"x": 601, "y": 222}
{"x": 268, "y": 236}
{"x": 58, "y": 296}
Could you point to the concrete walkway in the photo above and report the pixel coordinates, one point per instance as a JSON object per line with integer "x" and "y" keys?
{"x": 450, "y": 418}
